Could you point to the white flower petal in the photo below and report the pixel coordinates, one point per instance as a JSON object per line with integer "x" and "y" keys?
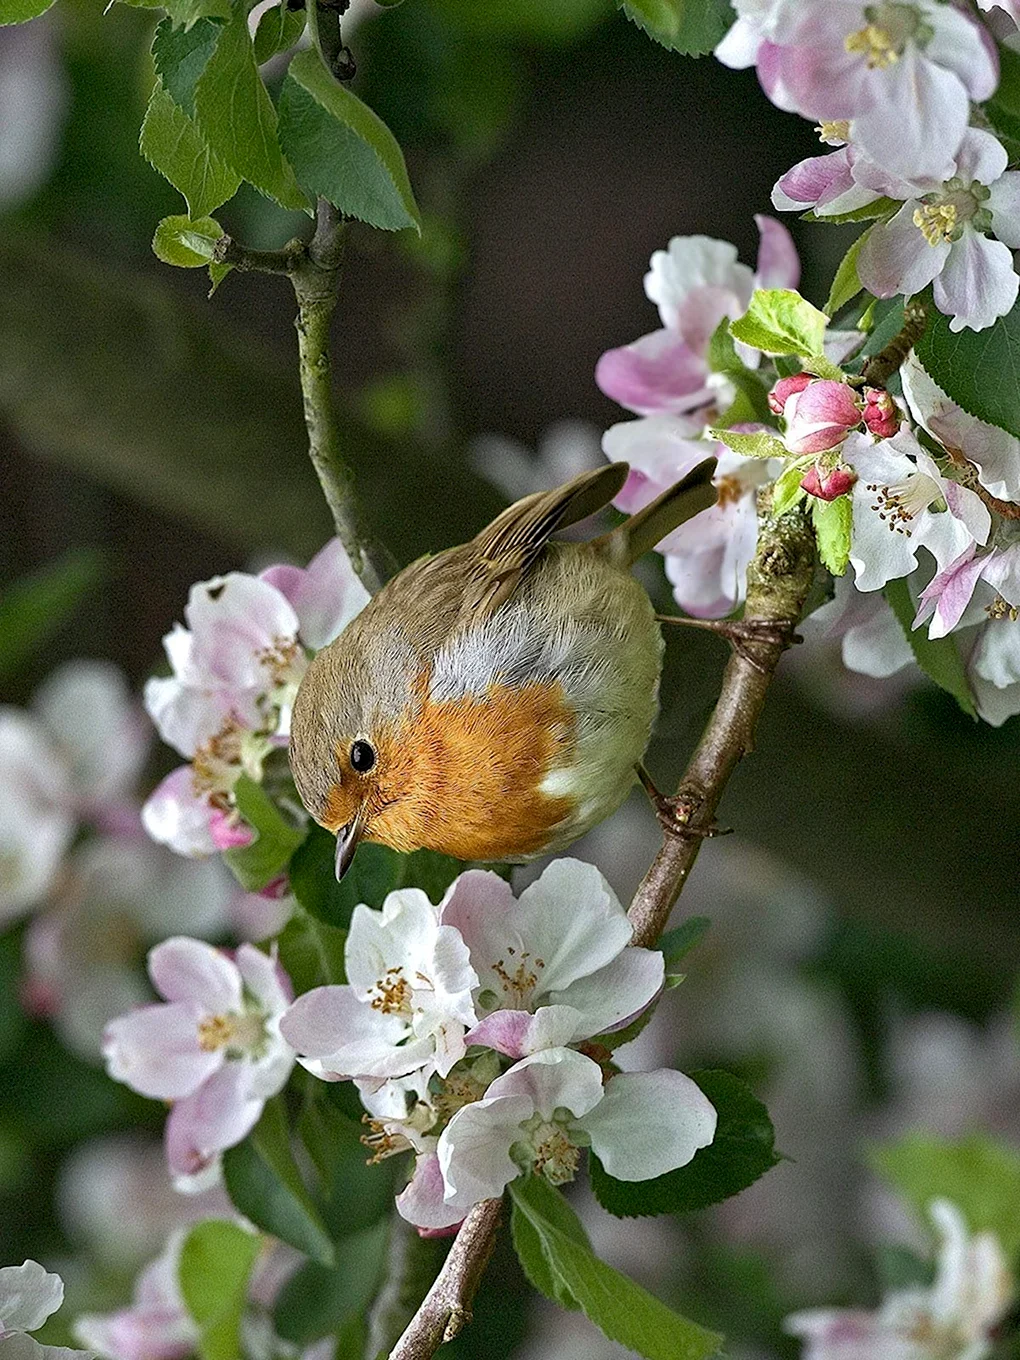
{"x": 233, "y": 620}
{"x": 265, "y": 979}
{"x": 215, "y": 1117}
{"x": 691, "y": 262}
{"x": 916, "y": 126}
{"x": 155, "y": 1050}
{"x": 325, "y": 595}
{"x": 896, "y": 258}
{"x": 176, "y": 816}
{"x": 978, "y": 283}
{"x": 183, "y": 969}
{"x": 474, "y": 1149}
{"x": 648, "y": 1123}
{"x": 28, "y": 1295}
{"x": 421, "y": 1202}
{"x": 552, "y": 1079}
{"x": 572, "y": 921}
{"x": 1004, "y": 205}
{"x": 615, "y": 994}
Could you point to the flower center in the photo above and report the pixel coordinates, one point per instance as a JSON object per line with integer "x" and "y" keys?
{"x": 938, "y": 222}
{"x": 240, "y": 1032}
{"x": 554, "y": 1156}
{"x": 1002, "y": 609}
{"x": 883, "y": 39}
{"x": 393, "y": 994}
{"x": 834, "y": 133}
{"x": 519, "y": 985}
{"x": 731, "y": 488}
{"x": 216, "y": 765}
{"x": 279, "y": 659}
{"x": 899, "y": 505}
{"x": 383, "y": 1139}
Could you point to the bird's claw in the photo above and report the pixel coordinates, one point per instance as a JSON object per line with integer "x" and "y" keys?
{"x": 675, "y": 812}
{"x": 742, "y": 634}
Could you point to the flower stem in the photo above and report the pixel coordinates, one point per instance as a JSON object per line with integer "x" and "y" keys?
{"x": 778, "y": 581}
{"x": 881, "y": 366}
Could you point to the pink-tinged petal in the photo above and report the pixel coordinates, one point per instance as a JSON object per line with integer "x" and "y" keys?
{"x": 948, "y": 593}
{"x": 965, "y": 48}
{"x": 136, "y": 1334}
{"x": 616, "y": 994}
{"x": 896, "y": 258}
{"x": 968, "y": 507}
{"x": 784, "y": 389}
{"x": 774, "y": 75}
{"x": 661, "y": 448}
{"x": 28, "y": 1295}
{"x": 814, "y": 180}
{"x": 183, "y": 969}
{"x": 233, "y": 620}
{"x": 155, "y": 1050}
{"x": 215, "y": 1117}
{"x": 915, "y": 129}
{"x": 571, "y": 919}
{"x": 825, "y": 79}
{"x": 778, "y": 261}
{"x": 553, "y": 1079}
{"x": 978, "y": 283}
{"x": 265, "y": 979}
{"x": 690, "y": 263}
{"x": 659, "y": 372}
{"x": 317, "y": 1023}
{"x": 1004, "y": 205}
{"x": 421, "y": 1201}
{"x": 474, "y": 1149}
{"x": 175, "y": 815}
{"x": 338, "y": 1036}
{"x": 648, "y": 1123}
{"x": 227, "y": 831}
{"x": 981, "y": 157}
{"x": 703, "y": 309}
{"x": 325, "y": 595}
{"x": 519, "y": 1034}
{"x": 845, "y": 1334}
{"x": 1002, "y": 572}
{"x": 819, "y": 416}
{"x": 187, "y": 717}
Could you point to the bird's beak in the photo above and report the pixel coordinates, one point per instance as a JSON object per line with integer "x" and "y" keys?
{"x": 347, "y": 839}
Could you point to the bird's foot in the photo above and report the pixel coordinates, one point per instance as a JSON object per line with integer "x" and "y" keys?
{"x": 675, "y": 812}
{"x": 739, "y": 633}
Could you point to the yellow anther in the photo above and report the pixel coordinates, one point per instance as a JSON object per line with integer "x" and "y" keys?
{"x": 393, "y": 994}
{"x": 936, "y": 222}
{"x": 832, "y": 133}
{"x": 216, "y": 1031}
{"x": 874, "y": 43}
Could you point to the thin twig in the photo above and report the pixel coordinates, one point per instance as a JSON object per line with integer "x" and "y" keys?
{"x": 446, "y": 1309}
{"x": 778, "y": 581}
{"x": 881, "y": 366}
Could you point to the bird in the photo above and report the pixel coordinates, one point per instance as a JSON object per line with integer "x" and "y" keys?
{"x": 494, "y": 701}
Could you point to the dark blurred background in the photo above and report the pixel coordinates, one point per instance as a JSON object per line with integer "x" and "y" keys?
{"x": 552, "y": 148}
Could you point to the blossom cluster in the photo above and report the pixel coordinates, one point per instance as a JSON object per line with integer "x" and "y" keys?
{"x": 235, "y": 671}
{"x": 893, "y": 88}
{"x": 467, "y": 1027}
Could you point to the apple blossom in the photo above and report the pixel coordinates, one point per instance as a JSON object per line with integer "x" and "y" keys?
{"x": 555, "y": 965}
{"x": 707, "y": 557}
{"x": 993, "y": 452}
{"x": 540, "y": 1114}
{"x": 827, "y": 185}
{"x": 955, "y": 1317}
{"x": 214, "y": 1048}
{"x": 28, "y": 1295}
{"x": 941, "y": 236}
{"x": 408, "y": 1002}
{"x": 156, "y": 1325}
{"x": 871, "y": 640}
{"x": 902, "y": 503}
{"x": 881, "y": 414}
{"x": 902, "y": 74}
{"x": 946, "y": 597}
{"x": 696, "y": 282}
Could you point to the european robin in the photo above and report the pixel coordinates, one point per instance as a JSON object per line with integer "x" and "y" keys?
{"x": 493, "y": 702}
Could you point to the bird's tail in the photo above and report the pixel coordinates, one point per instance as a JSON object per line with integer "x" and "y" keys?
{"x": 640, "y": 533}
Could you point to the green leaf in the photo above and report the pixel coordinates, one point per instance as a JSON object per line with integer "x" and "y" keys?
{"x": 979, "y": 370}
{"x": 19, "y": 11}
{"x": 751, "y": 403}
{"x": 780, "y": 321}
{"x": 691, "y": 27}
{"x": 786, "y": 489}
{"x": 833, "y": 521}
{"x": 173, "y": 145}
{"x": 186, "y": 242}
{"x": 528, "y": 1245}
{"x": 620, "y": 1308}
{"x": 376, "y": 871}
{"x": 218, "y": 271}
{"x": 237, "y": 118}
{"x": 759, "y": 445}
{"x": 315, "y": 1301}
{"x": 275, "y": 841}
{"x": 357, "y": 1192}
{"x": 939, "y": 658}
{"x": 846, "y": 285}
{"x": 216, "y": 1261}
{"x": 265, "y": 1185}
{"x": 341, "y": 150}
{"x": 189, "y": 12}
{"x": 677, "y": 944}
{"x": 979, "y": 1174}
{"x": 180, "y": 56}
{"x": 741, "y": 1152}
{"x": 279, "y": 29}
{"x": 1004, "y": 106}
{"x": 32, "y": 609}
{"x": 882, "y": 207}
{"x": 311, "y": 952}
{"x": 721, "y": 355}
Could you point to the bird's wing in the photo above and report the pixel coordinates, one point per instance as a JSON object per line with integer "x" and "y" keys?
{"x": 503, "y": 553}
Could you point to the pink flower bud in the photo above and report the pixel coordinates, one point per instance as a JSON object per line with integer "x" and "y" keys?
{"x": 881, "y": 414}
{"x": 785, "y": 388}
{"x": 228, "y": 831}
{"x": 820, "y": 416}
{"x": 828, "y": 486}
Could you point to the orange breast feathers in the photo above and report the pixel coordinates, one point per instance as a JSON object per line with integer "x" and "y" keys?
{"x": 463, "y": 776}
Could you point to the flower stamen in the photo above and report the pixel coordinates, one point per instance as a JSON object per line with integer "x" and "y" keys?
{"x": 875, "y": 44}
{"x": 937, "y": 222}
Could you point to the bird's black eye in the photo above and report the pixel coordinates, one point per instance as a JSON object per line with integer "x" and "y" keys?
{"x": 362, "y": 756}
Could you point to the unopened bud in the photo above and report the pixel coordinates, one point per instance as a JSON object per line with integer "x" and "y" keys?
{"x": 828, "y": 485}
{"x": 820, "y": 416}
{"x": 784, "y": 389}
{"x": 881, "y": 414}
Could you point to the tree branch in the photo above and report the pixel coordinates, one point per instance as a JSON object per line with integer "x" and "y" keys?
{"x": 778, "y": 581}
{"x": 446, "y": 1309}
